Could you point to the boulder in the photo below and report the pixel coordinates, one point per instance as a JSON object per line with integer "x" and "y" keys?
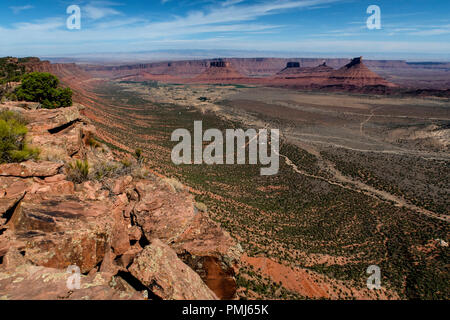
{"x": 30, "y": 169}
{"x": 212, "y": 253}
{"x": 29, "y": 282}
{"x": 159, "y": 268}
{"x": 120, "y": 241}
{"x": 199, "y": 242}
{"x": 162, "y": 213}
{"x": 91, "y": 190}
{"x": 59, "y": 231}
{"x": 121, "y": 183}
{"x": 43, "y": 120}
{"x": 63, "y": 187}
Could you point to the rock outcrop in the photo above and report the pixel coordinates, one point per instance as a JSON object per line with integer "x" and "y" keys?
{"x": 159, "y": 268}
{"x": 132, "y": 237}
{"x": 357, "y": 74}
{"x": 218, "y": 71}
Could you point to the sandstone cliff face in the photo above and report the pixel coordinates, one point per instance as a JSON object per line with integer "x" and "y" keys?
{"x": 357, "y": 74}
{"x": 129, "y": 234}
{"x": 219, "y": 71}
{"x": 250, "y": 67}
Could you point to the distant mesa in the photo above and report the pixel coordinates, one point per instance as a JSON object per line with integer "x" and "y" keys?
{"x": 219, "y": 64}
{"x": 219, "y": 70}
{"x": 294, "y": 70}
{"x": 293, "y": 65}
{"x": 323, "y": 68}
{"x": 357, "y": 74}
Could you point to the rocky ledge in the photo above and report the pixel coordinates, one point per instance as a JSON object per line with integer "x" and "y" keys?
{"x": 133, "y": 236}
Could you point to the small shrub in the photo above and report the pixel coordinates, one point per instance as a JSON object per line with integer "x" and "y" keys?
{"x": 110, "y": 169}
{"x": 93, "y": 143}
{"x": 201, "y": 206}
{"x": 174, "y": 184}
{"x": 13, "y": 146}
{"x": 138, "y": 154}
{"x": 126, "y": 162}
{"x": 78, "y": 171}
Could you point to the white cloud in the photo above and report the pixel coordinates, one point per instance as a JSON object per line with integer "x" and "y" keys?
{"x": 230, "y": 26}
{"x": 228, "y": 3}
{"x": 18, "y": 9}
{"x": 99, "y": 9}
{"x": 445, "y": 29}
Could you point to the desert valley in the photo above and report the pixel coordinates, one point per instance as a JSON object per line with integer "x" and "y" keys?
{"x": 364, "y": 180}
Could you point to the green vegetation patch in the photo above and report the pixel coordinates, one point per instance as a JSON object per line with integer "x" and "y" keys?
{"x": 43, "y": 87}
{"x": 13, "y": 146}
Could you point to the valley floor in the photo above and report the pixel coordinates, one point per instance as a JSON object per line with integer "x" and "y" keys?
{"x": 363, "y": 180}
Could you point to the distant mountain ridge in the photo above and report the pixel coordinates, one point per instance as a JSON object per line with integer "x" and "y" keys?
{"x": 251, "y": 67}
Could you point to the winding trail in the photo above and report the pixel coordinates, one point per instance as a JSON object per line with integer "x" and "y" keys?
{"x": 348, "y": 183}
{"x": 363, "y": 123}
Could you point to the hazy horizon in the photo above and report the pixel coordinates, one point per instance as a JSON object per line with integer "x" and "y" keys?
{"x": 411, "y": 30}
{"x": 181, "y": 55}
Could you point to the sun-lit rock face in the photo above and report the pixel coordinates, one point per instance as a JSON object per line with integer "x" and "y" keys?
{"x": 355, "y": 73}
{"x": 219, "y": 70}
{"x": 111, "y": 228}
{"x": 159, "y": 268}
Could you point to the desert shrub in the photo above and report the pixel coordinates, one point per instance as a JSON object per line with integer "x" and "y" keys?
{"x": 93, "y": 143}
{"x": 108, "y": 169}
{"x": 78, "y": 171}
{"x": 10, "y": 70}
{"x": 126, "y": 162}
{"x": 13, "y": 146}
{"x": 43, "y": 88}
{"x": 138, "y": 154}
{"x": 174, "y": 184}
{"x": 201, "y": 206}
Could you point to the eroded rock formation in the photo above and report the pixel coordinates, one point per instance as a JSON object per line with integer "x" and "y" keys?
{"x": 131, "y": 236}
{"x": 219, "y": 70}
{"x": 357, "y": 74}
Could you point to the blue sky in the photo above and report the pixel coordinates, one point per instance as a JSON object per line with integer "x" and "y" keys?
{"x": 411, "y": 29}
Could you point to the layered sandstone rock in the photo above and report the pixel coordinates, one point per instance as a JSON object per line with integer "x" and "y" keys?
{"x": 27, "y": 282}
{"x": 305, "y": 75}
{"x": 30, "y": 169}
{"x": 219, "y": 71}
{"x": 164, "y": 214}
{"x": 159, "y": 268}
{"x": 357, "y": 74}
{"x": 125, "y": 233}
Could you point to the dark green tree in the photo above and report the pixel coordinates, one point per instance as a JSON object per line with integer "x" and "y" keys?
{"x": 42, "y": 87}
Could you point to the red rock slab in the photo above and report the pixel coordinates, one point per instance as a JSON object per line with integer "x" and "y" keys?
{"x": 43, "y": 120}
{"x": 55, "y": 213}
{"x": 159, "y": 268}
{"x": 59, "y": 231}
{"x": 13, "y": 187}
{"x": 30, "y": 169}
{"x": 121, "y": 183}
{"x": 63, "y": 187}
{"x": 212, "y": 253}
{"x": 162, "y": 213}
{"x": 29, "y": 282}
